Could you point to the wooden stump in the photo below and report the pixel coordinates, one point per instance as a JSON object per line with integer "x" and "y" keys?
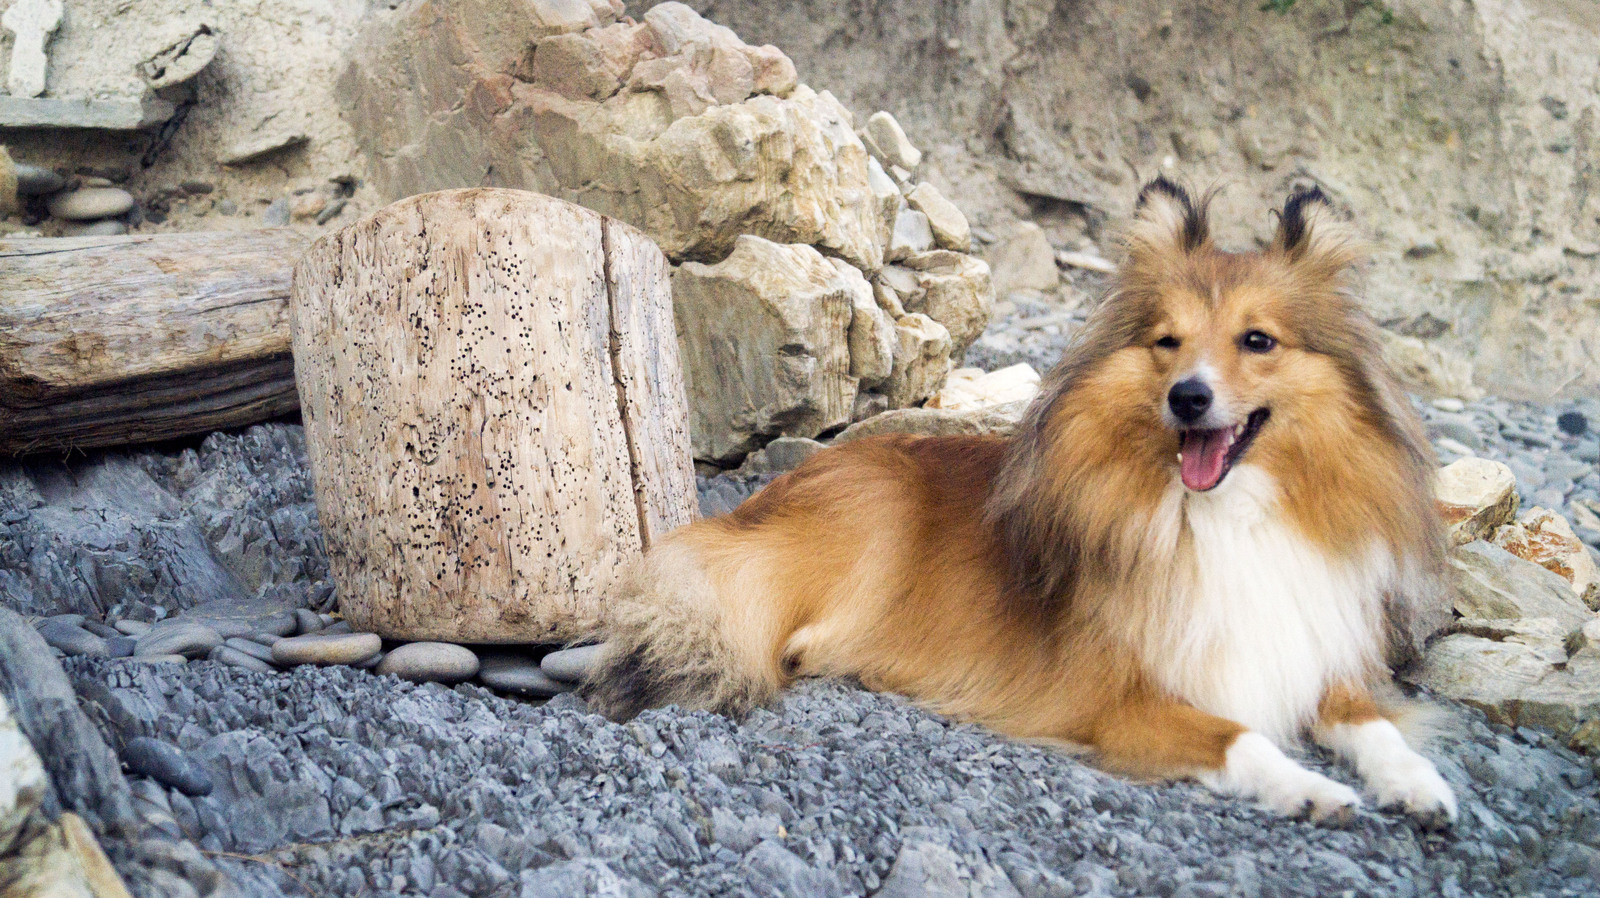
{"x": 113, "y": 340}
{"x": 494, "y": 411}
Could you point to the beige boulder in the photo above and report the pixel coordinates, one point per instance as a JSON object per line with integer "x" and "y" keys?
{"x": 672, "y": 124}
{"x": 955, "y": 290}
{"x": 1546, "y": 539}
{"x": 950, "y": 227}
{"x": 1512, "y": 677}
{"x": 1023, "y": 259}
{"x": 921, "y": 360}
{"x": 675, "y": 125}
{"x": 999, "y": 420}
{"x": 765, "y": 339}
{"x": 1475, "y": 497}
{"x": 888, "y": 142}
{"x": 1492, "y": 584}
{"x": 969, "y": 389}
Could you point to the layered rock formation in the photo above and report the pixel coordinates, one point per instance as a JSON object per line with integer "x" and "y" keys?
{"x": 1463, "y": 136}
{"x": 780, "y": 216}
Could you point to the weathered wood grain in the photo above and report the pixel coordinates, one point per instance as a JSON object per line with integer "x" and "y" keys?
{"x": 113, "y": 340}
{"x": 494, "y": 413}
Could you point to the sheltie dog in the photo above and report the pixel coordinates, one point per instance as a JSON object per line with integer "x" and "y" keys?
{"x": 1195, "y": 548}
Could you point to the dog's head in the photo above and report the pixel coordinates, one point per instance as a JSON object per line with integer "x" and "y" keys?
{"x": 1199, "y": 361}
{"x": 1258, "y": 356}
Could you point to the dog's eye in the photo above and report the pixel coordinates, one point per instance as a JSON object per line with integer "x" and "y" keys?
{"x": 1169, "y": 342}
{"x": 1256, "y": 341}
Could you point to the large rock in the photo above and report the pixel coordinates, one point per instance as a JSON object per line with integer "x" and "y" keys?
{"x": 1475, "y": 496}
{"x": 999, "y": 420}
{"x": 1493, "y": 584}
{"x": 968, "y": 389}
{"x": 1486, "y": 213}
{"x": 1518, "y": 676}
{"x": 765, "y": 343}
{"x": 953, "y": 289}
{"x": 680, "y": 128}
{"x": 1546, "y": 539}
{"x": 22, "y": 780}
{"x": 921, "y": 359}
{"x": 672, "y": 124}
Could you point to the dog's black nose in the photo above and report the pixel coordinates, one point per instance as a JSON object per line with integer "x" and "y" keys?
{"x": 1189, "y": 399}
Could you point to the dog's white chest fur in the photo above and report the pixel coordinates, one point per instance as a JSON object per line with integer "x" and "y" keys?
{"x": 1264, "y": 621}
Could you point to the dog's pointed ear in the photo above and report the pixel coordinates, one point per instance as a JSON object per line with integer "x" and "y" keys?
{"x": 1167, "y": 219}
{"x": 1312, "y": 232}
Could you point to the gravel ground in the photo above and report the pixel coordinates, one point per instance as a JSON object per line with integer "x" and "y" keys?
{"x": 337, "y": 782}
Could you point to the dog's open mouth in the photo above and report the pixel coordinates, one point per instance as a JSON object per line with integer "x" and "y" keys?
{"x": 1206, "y": 456}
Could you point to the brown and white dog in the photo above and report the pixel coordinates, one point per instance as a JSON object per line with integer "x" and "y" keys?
{"x": 1194, "y": 550}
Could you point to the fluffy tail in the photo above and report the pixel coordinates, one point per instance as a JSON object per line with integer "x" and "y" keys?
{"x": 669, "y": 641}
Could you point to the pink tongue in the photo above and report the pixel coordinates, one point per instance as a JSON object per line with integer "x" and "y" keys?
{"x": 1205, "y": 452}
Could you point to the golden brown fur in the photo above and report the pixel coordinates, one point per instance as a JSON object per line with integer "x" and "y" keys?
{"x": 1014, "y": 582}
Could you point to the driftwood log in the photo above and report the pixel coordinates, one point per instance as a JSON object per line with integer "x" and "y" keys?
{"x": 494, "y": 412}
{"x": 113, "y": 340}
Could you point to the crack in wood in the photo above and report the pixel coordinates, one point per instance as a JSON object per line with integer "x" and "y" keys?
{"x": 614, "y": 346}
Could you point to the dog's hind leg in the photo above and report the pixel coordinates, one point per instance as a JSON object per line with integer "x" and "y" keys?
{"x": 1164, "y": 738}
{"x": 1352, "y": 726}
{"x": 690, "y": 627}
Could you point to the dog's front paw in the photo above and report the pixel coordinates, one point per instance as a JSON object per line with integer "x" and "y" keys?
{"x": 1255, "y": 768}
{"x": 1312, "y": 796}
{"x": 1410, "y": 783}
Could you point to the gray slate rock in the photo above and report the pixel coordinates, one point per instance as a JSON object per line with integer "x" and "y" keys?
{"x": 100, "y": 630}
{"x": 156, "y": 659}
{"x": 234, "y": 658}
{"x": 179, "y": 637}
{"x": 307, "y": 621}
{"x": 518, "y": 674}
{"x": 571, "y": 665}
{"x": 166, "y": 764}
{"x": 318, "y": 648}
{"x": 32, "y": 180}
{"x": 430, "y": 662}
{"x": 72, "y": 639}
{"x": 121, "y": 646}
{"x": 250, "y": 647}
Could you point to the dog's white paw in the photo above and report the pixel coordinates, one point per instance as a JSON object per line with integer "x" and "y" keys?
{"x": 1255, "y": 768}
{"x": 1311, "y": 795}
{"x": 1410, "y": 783}
{"x": 1395, "y": 775}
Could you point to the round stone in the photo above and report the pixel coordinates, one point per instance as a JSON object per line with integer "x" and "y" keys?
{"x": 35, "y": 181}
{"x": 250, "y": 647}
{"x": 157, "y": 659}
{"x": 571, "y": 665}
{"x": 104, "y": 228}
{"x": 166, "y": 764}
{"x": 284, "y": 623}
{"x": 179, "y": 637}
{"x": 430, "y": 662}
{"x": 317, "y": 648}
{"x": 519, "y": 675}
{"x": 1574, "y": 423}
{"x": 131, "y": 627}
{"x": 307, "y": 621}
{"x": 232, "y": 657}
{"x": 90, "y": 203}
{"x": 73, "y": 639}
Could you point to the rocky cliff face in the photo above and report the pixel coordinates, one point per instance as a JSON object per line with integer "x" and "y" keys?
{"x": 1461, "y": 134}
